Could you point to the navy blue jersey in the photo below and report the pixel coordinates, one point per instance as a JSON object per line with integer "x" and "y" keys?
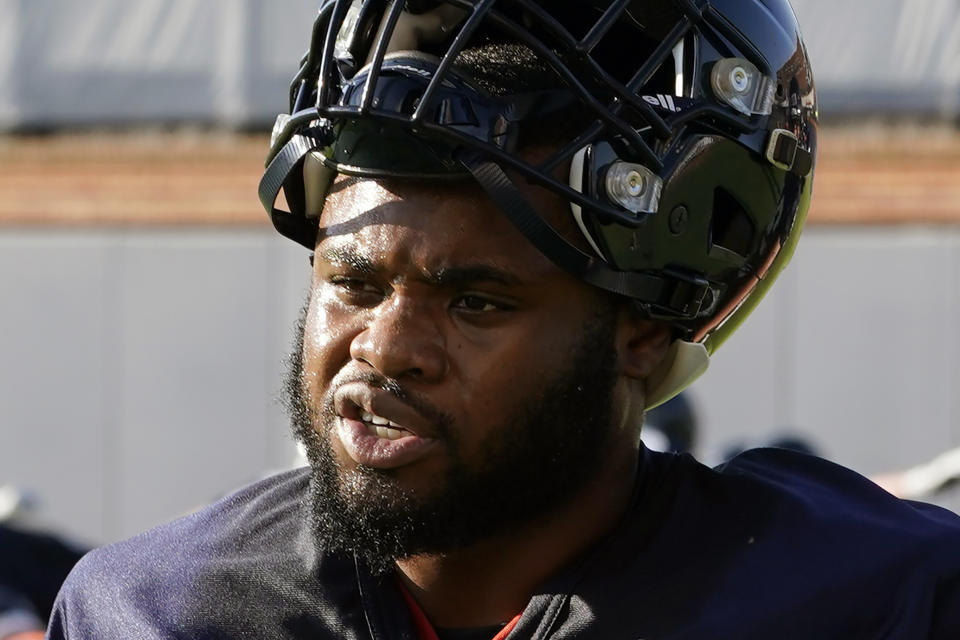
{"x": 773, "y": 544}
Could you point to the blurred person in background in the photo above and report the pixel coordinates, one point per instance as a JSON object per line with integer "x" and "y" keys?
{"x": 924, "y": 480}
{"x": 531, "y": 223}
{"x": 33, "y": 565}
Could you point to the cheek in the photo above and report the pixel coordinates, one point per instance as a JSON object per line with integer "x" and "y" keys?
{"x": 502, "y": 376}
{"x": 520, "y": 356}
{"x": 326, "y": 344}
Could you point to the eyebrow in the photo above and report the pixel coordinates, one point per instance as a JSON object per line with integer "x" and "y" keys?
{"x": 348, "y": 256}
{"x": 446, "y": 276}
{"x": 465, "y": 274}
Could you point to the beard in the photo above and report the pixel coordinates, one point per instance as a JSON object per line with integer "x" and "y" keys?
{"x": 550, "y": 447}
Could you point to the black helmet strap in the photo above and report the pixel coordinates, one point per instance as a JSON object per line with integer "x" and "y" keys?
{"x": 281, "y": 166}
{"x": 679, "y": 295}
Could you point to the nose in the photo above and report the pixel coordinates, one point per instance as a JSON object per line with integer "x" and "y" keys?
{"x": 402, "y": 340}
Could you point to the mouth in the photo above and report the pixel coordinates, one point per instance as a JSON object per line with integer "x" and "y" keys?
{"x": 377, "y": 429}
{"x": 383, "y": 413}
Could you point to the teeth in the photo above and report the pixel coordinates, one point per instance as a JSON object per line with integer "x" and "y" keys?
{"x": 381, "y": 427}
{"x": 385, "y": 432}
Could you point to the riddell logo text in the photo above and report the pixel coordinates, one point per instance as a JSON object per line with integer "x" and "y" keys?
{"x": 661, "y": 100}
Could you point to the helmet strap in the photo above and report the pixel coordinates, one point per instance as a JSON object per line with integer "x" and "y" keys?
{"x": 500, "y": 189}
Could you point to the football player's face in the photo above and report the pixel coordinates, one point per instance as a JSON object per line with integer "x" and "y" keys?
{"x": 433, "y": 325}
{"x": 450, "y": 383}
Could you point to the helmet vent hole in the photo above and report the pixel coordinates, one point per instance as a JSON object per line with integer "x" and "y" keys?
{"x": 731, "y": 228}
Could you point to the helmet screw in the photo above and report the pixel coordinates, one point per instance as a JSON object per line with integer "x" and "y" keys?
{"x": 634, "y": 183}
{"x": 678, "y": 219}
{"x": 739, "y": 79}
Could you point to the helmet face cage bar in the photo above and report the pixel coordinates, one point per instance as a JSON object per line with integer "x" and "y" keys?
{"x": 608, "y": 123}
{"x": 720, "y": 258}
{"x": 332, "y": 18}
{"x": 333, "y": 14}
{"x": 607, "y": 114}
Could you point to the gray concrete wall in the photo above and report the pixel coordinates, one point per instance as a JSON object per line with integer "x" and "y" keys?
{"x": 856, "y": 345}
{"x": 140, "y": 368}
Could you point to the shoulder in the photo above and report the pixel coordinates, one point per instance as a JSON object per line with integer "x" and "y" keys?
{"x": 817, "y": 550}
{"x": 241, "y": 519}
{"x": 798, "y": 500}
{"x": 159, "y": 574}
{"x": 827, "y": 494}
{"x": 845, "y": 542}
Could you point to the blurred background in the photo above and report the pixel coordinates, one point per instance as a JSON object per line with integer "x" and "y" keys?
{"x": 147, "y": 307}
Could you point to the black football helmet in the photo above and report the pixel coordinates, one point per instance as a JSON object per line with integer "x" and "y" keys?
{"x": 690, "y": 160}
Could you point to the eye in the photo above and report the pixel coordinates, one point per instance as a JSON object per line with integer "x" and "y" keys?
{"x": 353, "y": 284}
{"x": 477, "y": 304}
{"x": 356, "y": 290}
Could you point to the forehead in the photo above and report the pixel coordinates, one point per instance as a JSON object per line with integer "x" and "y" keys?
{"x": 429, "y": 223}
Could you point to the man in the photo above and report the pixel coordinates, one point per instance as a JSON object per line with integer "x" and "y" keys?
{"x": 530, "y": 223}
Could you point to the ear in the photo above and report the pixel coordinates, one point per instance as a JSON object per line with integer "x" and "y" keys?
{"x": 642, "y": 345}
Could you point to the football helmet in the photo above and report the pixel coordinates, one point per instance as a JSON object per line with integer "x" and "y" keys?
{"x": 688, "y": 165}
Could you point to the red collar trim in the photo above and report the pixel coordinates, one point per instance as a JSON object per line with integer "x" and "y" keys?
{"x": 420, "y": 621}
{"x": 424, "y": 628}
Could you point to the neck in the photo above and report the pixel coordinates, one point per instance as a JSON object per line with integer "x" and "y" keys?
{"x": 491, "y": 581}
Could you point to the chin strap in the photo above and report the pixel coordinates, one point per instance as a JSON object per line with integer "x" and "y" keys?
{"x": 290, "y": 157}
{"x": 674, "y": 296}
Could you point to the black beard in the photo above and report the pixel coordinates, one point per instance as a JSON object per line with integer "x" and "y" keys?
{"x": 552, "y": 447}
